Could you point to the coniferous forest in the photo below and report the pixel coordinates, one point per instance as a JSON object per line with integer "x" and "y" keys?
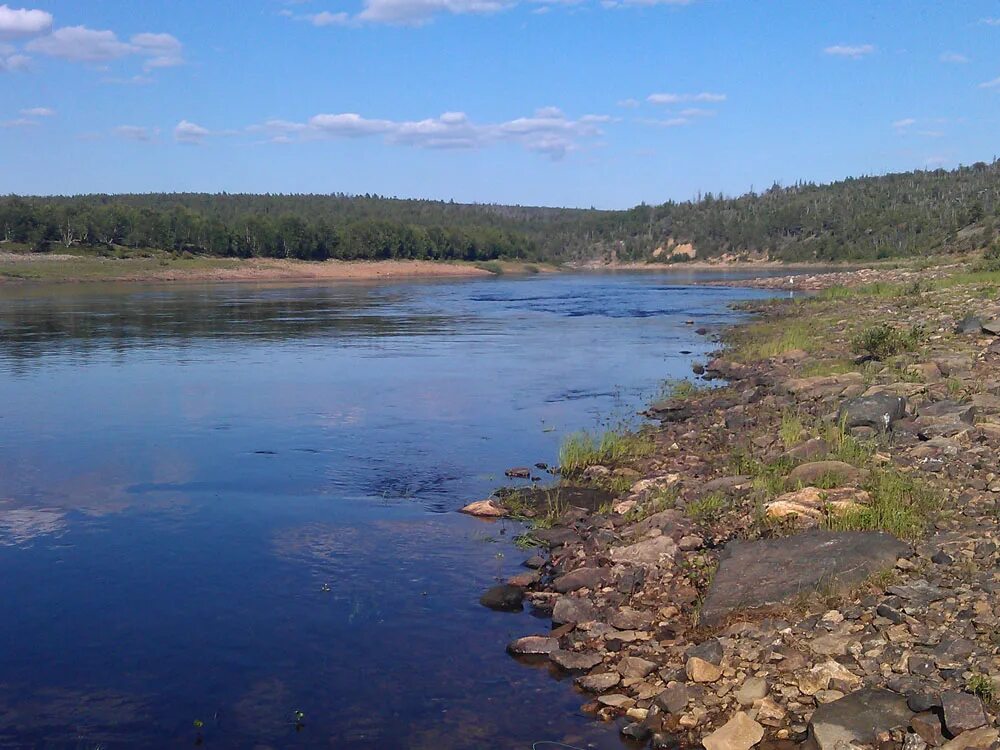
{"x": 907, "y": 214}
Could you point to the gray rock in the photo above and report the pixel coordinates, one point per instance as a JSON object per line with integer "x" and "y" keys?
{"x": 991, "y": 327}
{"x": 574, "y": 661}
{"x": 810, "y": 449}
{"x": 634, "y": 666}
{"x": 857, "y": 718}
{"x": 649, "y": 553}
{"x": 581, "y": 578}
{"x": 573, "y": 609}
{"x": 878, "y": 411}
{"x": 598, "y": 683}
{"x": 770, "y": 571}
{"x": 962, "y": 712}
{"x": 710, "y": 650}
{"x": 752, "y": 689}
{"x": 533, "y": 645}
{"x": 504, "y": 598}
{"x": 674, "y": 699}
{"x": 969, "y": 324}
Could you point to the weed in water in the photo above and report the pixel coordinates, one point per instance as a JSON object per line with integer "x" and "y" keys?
{"x": 581, "y": 449}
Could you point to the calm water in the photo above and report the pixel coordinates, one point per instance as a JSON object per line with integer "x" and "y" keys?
{"x": 229, "y": 503}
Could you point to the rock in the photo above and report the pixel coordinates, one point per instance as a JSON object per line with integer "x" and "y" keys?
{"x": 636, "y": 731}
{"x": 816, "y": 472}
{"x": 674, "y": 699}
{"x": 969, "y": 324}
{"x": 598, "y": 683}
{"x": 977, "y": 739}
{"x": 649, "y": 553}
{"x": 575, "y": 661}
{"x": 753, "y": 689}
{"x": 484, "y": 509}
{"x": 699, "y": 670}
{"x": 580, "y": 578}
{"x": 766, "y": 572}
{"x": 770, "y": 714}
{"x": 928, "y": 726}
{"x": 946, "y": 411}
{"x": 533, "y": 645}
{"x": 534, "y": 562}
{"x": 857, "y": 718}
{"x": 633, "y": 666}
{"x": 810, "y": 449}
{"x": 992, "y": 327}
{"x": 739, "y": 733}
{"x": 630, "y": 619}
{"x": 527, "y": 578}
{"x": 809, "y": 505}
{"x": 962, "y": 712}
{"x": 503, "y": 598}
{"x": 518, "y": 472}
{"x": 825, "y": 675}
{"x": 572, "y": 609}
{"x": 690, "y": 542}
{"x": 710, "y": 650}
{"x": 878, "y": 411}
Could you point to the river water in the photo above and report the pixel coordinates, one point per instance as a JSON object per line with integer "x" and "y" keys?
{"x": 221, "y": 505}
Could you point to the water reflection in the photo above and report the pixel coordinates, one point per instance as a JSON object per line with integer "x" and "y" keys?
{"x": 226, "y": 504}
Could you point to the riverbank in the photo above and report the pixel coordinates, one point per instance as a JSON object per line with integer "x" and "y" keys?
{"x": 166, "y": 267}
{"x": 805, "y": 555}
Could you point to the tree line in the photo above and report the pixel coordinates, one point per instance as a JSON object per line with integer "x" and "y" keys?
{"x": 911, "y": 213}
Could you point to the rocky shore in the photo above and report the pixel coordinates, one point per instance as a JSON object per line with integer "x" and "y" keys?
{"x": 805, "y": 555}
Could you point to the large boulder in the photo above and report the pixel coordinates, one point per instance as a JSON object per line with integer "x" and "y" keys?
{"x": 503, "y": 598}
{"x": 571, "y": 609}
{"x": 767, "y": 572}
{"x": 857, "y": 718}
{"x": 878, "y": 411}
{"x": 580, "y": 578}
{"x": 739, "y": 733}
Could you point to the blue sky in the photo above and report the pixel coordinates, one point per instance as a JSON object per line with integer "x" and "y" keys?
{"x": 553, "y": 102}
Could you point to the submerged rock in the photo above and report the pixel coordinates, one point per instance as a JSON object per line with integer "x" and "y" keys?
{"x": 503, "y": 598}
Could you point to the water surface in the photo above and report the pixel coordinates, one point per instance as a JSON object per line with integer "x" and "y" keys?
{"x": 228, "y": 503}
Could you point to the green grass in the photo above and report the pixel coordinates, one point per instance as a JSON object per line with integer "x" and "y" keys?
{"x": 492, "y": 266}
{"x": 900, "y": 505}
{"x": 705, "y": 508}
{"x": 679, "y": 389}
{"x": 582, "y": 449}
{"x": 827, "y": 367}
{"x": 791, "y": 430}
{"x": 842, "y": 446}
{"x": 981, "y": 685}
{"x": 763, "y": 341}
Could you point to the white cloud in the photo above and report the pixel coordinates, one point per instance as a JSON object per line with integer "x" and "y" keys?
{"x": 704, "y": 96}
{"x": 628, "y": 103}
{"x": 904, "y": 123}
{"x": 953, "y": 57}
{"x": 670, "y": 122}
{"x": 21, "y": 122}
{"x": 38, "y": 112}
{"x": 188, "y": 132}
{"x": 20, "y": 22}
{"x": 697, "y": 112}
{"x": 416, "y": 12}
{"x": 548, "y": 131}
{"x": 80, "y": 44}
{"x": 853, "y": 51}
{"x": 995, "y": 83}
{"x": 12, "y": 63}
{"x": 647, "y": 3}
{"x": 161, "y": 50}
{"x": 136, "y": 133}
{"x": 326, "y": 18}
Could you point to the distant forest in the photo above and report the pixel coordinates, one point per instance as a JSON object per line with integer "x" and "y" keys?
{"x": 912, "y": 213}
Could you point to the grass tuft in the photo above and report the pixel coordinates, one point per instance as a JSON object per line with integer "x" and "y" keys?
{"x": 582, "y": 449}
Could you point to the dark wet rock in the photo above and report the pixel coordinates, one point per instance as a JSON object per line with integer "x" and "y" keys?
{"x": 962, "y": 712}
{"x": 918, "y": 592}
{"x": 636, "y": 731}
{"x": 573, "y": 609}
{"x": 580, "y": 578}
{"x": 710, "y": 650}
{"x": 698, "y": 369}
{"x": 969, "y": 324}
{"x": 504, "y": 598}
{"x": 533, "y": 645}
{"x": 942, "y": 558}
{"x": 534, "y": 562}
{"x": 770, "y": 571}
{"x": 574, "y": 661}
{"x": 878, "y": 411}
{"x": 518, "y": 472}
{"x": 671, "y": 410}
{"x": 674, "y": 698}
{"x": 525, "y": 579}
{"x": 811, "y": 473}
{"x": 557, "y": 536}
{"x": 857, "y": 718}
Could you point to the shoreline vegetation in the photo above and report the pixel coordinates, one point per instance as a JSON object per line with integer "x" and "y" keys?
{"x": 806, "y": 554}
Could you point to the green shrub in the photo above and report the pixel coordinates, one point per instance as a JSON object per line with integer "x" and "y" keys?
{"x": 881, "y": 340}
